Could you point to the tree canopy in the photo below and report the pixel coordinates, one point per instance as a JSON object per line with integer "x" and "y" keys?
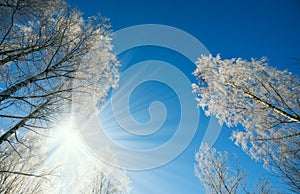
{"x": 46, "y": 47}
{"x": 48, "y": 53}
{"x": 263, "y": 100}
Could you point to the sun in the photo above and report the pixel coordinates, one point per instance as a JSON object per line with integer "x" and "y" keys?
{"x": 65, "y": 140}
{"x": 67, "y": 152}
{"x": 66, "y": 135}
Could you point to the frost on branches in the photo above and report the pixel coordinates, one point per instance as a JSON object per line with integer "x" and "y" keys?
{"x": 46, "y": 47}
{"x": 22, "y": 169}
{"x": 213, "y": 170}
{"x": 91, "y": 177}
{"x": 262, "y": 99}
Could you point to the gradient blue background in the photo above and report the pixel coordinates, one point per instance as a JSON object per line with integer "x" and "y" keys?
{"x": 232, "y": 28}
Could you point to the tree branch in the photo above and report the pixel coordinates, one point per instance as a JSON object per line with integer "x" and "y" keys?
{"x": 11, "y": 131}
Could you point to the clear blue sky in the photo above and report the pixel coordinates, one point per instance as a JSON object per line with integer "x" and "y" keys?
{"x": 232, "y": 28}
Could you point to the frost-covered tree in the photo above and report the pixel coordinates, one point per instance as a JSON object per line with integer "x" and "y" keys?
{"x": 264, "y": 101}
{"x": 213, "y": 171}
{"x": 218, "y": 176}
{"x": 92, "y": 179}
{"x": 48, "y": 53}
{"x": 89, "y": 176}
{"x": 21, "y": 168}
{"x": 46, "y": 47}
{"x": 109, "y": 179}
{"x": 264, "y": 186}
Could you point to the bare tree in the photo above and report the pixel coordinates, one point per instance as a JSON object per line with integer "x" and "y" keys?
{"x": 213, "y": 170}
{"x": 48, "y": 52}
{"x": 264, "y": 186}
{"x": 89, "y": 175}
{"x": 215, "y": 174}
{"x": 109, "y": 180}
{"x": 44, "y": 48}
{"x": 262, "y": 99}
{"x": 21, "y": 169}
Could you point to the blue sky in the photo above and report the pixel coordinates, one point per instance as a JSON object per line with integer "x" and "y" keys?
{"x": 234, "y": 29}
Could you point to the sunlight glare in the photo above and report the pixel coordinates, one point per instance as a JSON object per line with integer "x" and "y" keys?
{"x": 67, "y": 151}
{"x": 67, "y": 136}
{"x": 65, "y": 141}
